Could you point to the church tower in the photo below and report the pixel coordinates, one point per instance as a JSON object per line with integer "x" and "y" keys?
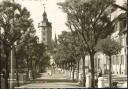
{"x": 46, "y": 31}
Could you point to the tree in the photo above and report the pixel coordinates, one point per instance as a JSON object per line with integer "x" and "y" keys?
{"x": 109, "y": 47}
{"x": 68, "y": 49}
{"x": 33, "y": 55}
{"x": 90, "y": 19}
{"x": 15, "y": 23}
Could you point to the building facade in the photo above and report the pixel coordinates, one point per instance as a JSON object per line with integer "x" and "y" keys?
{"x": 46, "y": 31}
{"x": 119, "y": 61}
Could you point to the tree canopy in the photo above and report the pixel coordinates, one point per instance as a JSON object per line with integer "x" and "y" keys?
{"x": 92, "y": 20}
{"x": 109, "y": 46}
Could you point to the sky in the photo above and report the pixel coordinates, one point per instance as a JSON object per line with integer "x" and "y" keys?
{"x": 55, "y": 15}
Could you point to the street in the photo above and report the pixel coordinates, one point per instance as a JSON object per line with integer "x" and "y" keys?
{"x": 56, "y": 80}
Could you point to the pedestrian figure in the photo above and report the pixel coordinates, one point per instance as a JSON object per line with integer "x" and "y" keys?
{"x": 100, "y": 74}
{"x": 30, "y": 74}
{"x": 114, "y": 84}
{"x": 96, "y": 81}
{"x": 3, "y": 79}
{"x": 3, "y": 73}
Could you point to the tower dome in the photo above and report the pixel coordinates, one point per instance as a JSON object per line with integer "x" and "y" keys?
{"x": 45, "y": 16}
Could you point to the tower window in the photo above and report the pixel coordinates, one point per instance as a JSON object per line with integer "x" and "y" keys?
{"x": 44, "y": 33}
{"x": 43, "y": 39}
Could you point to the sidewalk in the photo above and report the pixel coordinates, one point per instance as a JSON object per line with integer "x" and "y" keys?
{"x": 53, "y": 75}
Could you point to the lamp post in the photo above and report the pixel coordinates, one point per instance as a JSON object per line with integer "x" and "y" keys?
{"x": 12, "y": 66}
{"x": 12, "y": 54}
{"x": 127, "y": 51}
{"x": 127, "y": 46}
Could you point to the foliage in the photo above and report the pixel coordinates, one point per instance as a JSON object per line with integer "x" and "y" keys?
{"x": 109, "y": 46}
{"x": 91, "y": 19}
{"x": 16, "y": 25}
{"x": 14, "y": 21}
{"x": 32, "y": 51}
{"x": 68, "y": 47}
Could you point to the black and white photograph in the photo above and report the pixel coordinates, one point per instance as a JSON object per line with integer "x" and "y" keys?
{"x": 63, "y": 44}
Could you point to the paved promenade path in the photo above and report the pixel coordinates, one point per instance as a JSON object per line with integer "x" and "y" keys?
{"x": 55, "y": 80}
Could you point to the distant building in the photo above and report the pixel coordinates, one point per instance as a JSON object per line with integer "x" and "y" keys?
{"x": 46, "y": 31}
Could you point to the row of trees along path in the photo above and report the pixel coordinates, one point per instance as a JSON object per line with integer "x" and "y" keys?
{"x": 17, "y": 27}
{"x": 91, "y": 21}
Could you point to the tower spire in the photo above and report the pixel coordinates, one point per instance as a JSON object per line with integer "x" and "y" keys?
{"x": 44, "y": 14}
{"x": 55, "y": 39}
{"x": 44, "y": 7}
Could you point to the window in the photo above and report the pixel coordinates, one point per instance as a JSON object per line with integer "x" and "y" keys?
{"x": 123, "y": 24}
{"x": 107, "y": 60}
{"x": 116, "y": 58}
{"x": 113, "y": 60}
{"x": 43, "y": 39}
{"x": 122, "y": 59}
{"x": 125, "y": 50}
{"x": 44, "y": 33}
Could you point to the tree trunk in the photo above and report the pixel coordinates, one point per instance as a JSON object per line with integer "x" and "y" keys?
{"x": 127, "y": 51}
{"x": 110, "y": 71}
{"x": 71, "y": 66}
{"x": 73, "y": 72}
{"x": 78, "y": 65}
{"x": 83, "y": 58}
{"x": 0, "y": 60}
{"x": 63, "y": 66}
{"x": 32, "y": 69}
{"x": 16, "y": 62}
{"x": 7, "y": 50}
{"x": 0, "y": 70}
{"x": 92, "y": 70}
{"x": 28, "y": 69}
{"x": 35, "y": 67}
{"x": 28, "y": 72}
